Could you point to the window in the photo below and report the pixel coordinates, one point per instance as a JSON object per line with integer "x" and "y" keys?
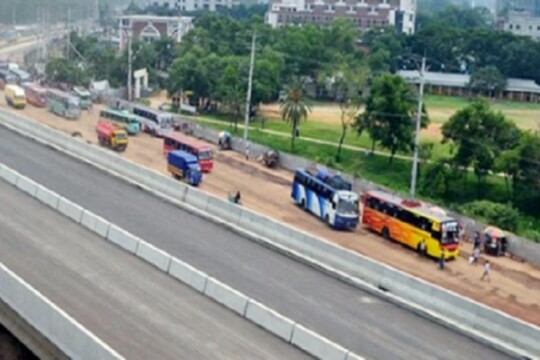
{"x": 518, "y": 27}
{"x": 510, "y": 26}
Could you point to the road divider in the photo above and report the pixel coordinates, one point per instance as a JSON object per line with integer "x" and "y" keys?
{"x": 123, "y": 239}
{"x": 26, "y": 186}
{"x": 70, "y": 209}
{"x": 77, "y": 345}
{"x": 270, "y": 320}
{"x": 188, "y": 275}
{"x": 154, "y": 256}
{"x": 312, "y": 343}
{"x": 476, "y": 320}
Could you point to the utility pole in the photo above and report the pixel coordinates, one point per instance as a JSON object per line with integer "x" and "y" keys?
{"x": 128, "y": 32}
{"x": 69, "y": 33}
{"x": 248, "y": 97}
{"x": 418, "y": 123}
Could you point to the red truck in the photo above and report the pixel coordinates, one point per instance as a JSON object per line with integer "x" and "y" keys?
{"x": 111, "y": 136}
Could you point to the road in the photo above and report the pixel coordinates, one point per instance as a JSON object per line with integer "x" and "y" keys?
{"x": 367, "y": 325}
{"x": 138, "y": 310}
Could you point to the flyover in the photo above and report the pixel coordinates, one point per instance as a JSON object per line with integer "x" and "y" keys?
{"x": 137, "y": 310}
{"x": 346, "y": 315}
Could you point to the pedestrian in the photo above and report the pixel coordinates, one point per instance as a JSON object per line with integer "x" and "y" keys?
{"x": 90, "y": 105}
{"x": 237, "y": 197}
{"x": 477, "y": 240}
{"x": 247, "y": 150}
{"x": 487, "y": 269}
{"x": 442, "y": 260}
{"x": 475, "y": 255}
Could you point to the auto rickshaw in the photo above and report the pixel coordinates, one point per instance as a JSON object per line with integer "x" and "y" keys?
{"x": 495, "y": 241}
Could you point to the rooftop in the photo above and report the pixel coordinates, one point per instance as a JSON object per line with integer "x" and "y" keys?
{"x": 462, "y": 80}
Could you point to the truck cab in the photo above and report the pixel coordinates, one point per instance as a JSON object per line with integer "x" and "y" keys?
{"x": 183, "y": 165}
{"x": 112, "y": 136}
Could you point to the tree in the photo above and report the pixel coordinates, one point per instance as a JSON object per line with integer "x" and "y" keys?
{"x": 487, "y": 80}
{"x": 438, "y": 177}
{"x": 348, "y": 88}
{"x": 231, "y": 87}
{"x": 390, "y": 114}
{"x": 527, "y": 178}
{"x": 479, "y": 135}
{"x": 295, "y": 109}
{"x": 65, "y": 71}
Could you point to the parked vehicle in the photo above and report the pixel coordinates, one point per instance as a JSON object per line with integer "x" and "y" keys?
{"x": 63, "y": 104}
{"x": 495, "y": 241}
{"x": 15, "y": 96}
{"x": 224, "y": 141}
{"x": 183, "y": 165}
{"x": 411, "y": 223}
{"x": 84, "y": 97}
{"x": 35, "y": 95}
{"x": 202, "y": 151}
{"x": 6, "y": 78}
{"x": 111, "y": 136}
{"x": 153, "y": 121}
{"x": 123, "y": 119}
{"x": 329, "y": 197}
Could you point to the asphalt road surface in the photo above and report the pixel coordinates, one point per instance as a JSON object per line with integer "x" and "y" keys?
{"x": 138, "y": 310}
{"x": 353, "y": 318}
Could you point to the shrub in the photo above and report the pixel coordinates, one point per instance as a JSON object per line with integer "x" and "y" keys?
{"x": 497, "y": 214}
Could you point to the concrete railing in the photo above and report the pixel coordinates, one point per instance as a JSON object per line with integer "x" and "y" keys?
{"x": 52, "y": 322}
{"x": 255, "y": 312}
{"x": 477, "y": 320}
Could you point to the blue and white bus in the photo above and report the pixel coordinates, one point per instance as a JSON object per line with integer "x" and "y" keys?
{"x": 328, "y": 197}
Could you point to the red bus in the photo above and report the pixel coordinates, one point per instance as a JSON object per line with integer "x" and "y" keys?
{"x": 202, "y": 151}
{"x": 35, "y": 94}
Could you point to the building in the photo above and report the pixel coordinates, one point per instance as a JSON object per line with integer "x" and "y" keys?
{"x": 149, "y": 27}
{"x": 530, "y": 6}
{"x": 458, "y": 85}
{"x": 522, "y": 23}
{"x": 195, "y": 5}
{"x": 365, "y": 13}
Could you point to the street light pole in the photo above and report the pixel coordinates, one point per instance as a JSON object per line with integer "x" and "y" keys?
{"x": 129, "y": 64}
{"x": 417, "y": 135}
{"x": 248, "y": 97}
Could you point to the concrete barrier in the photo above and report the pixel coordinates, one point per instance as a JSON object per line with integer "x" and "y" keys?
{"x": 196, "y": 198}
{"x": 47, "y": 197}
{"x": 70, "y": 209}
{"x": 270, "y": 320}
{"x": 353, "y": 356}
{"x": 26, "y": 185}
{"x": 316, "y": 345}
{"x": 188, "y": 275}
{"x": 8, "y": 175}
{"x": 223, "y": 209}
{"x": 154, "y": 256}
{"x": 123, "y": 239}
{"x": 225, "y": 295}
{"x": 95, "y": 223}
{"x": 57, "y": 326}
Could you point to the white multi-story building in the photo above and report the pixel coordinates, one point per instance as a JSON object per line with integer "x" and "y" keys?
{"x": 523, "y": 23}
{"x": 365, "y": 13}
{"x": 195, "y": 5}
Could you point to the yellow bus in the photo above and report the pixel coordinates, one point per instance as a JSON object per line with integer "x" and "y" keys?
{"x": 15, "y": 96}
{"x": 411, "y": 223}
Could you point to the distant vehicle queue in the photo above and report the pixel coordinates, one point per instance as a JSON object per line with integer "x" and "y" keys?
{"x": 328, "y": 196}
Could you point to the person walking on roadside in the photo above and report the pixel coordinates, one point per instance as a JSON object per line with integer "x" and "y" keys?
{"x": 90, "y": 105}
{"x": 487, "y": 269}
{"x": 441, "y": 260}
{"x": 477, "y": 240}
{"x": 475, "y": 256}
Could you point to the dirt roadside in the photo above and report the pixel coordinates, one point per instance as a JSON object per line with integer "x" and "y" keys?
{"x": 514, "y": 287}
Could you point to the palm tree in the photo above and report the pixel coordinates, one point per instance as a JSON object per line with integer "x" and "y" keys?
{"x": 295, "y": 109}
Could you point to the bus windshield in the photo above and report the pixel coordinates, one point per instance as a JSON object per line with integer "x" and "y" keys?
{"x": 205, "y": 155}
{"x": 449, "y": 232}
{"x": 73, "y": 104}
{"x": 347, "y": 207}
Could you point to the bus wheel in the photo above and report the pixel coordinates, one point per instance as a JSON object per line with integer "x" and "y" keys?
{"x": 386, "y": 233}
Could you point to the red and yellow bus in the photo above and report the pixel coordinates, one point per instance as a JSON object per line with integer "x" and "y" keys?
{"x": 411, "y": 223}
{"x": 35, "y": 95}
{"x": 202, "y": 151}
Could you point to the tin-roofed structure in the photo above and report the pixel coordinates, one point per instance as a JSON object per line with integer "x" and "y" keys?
{"x": 453, "y": 84}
